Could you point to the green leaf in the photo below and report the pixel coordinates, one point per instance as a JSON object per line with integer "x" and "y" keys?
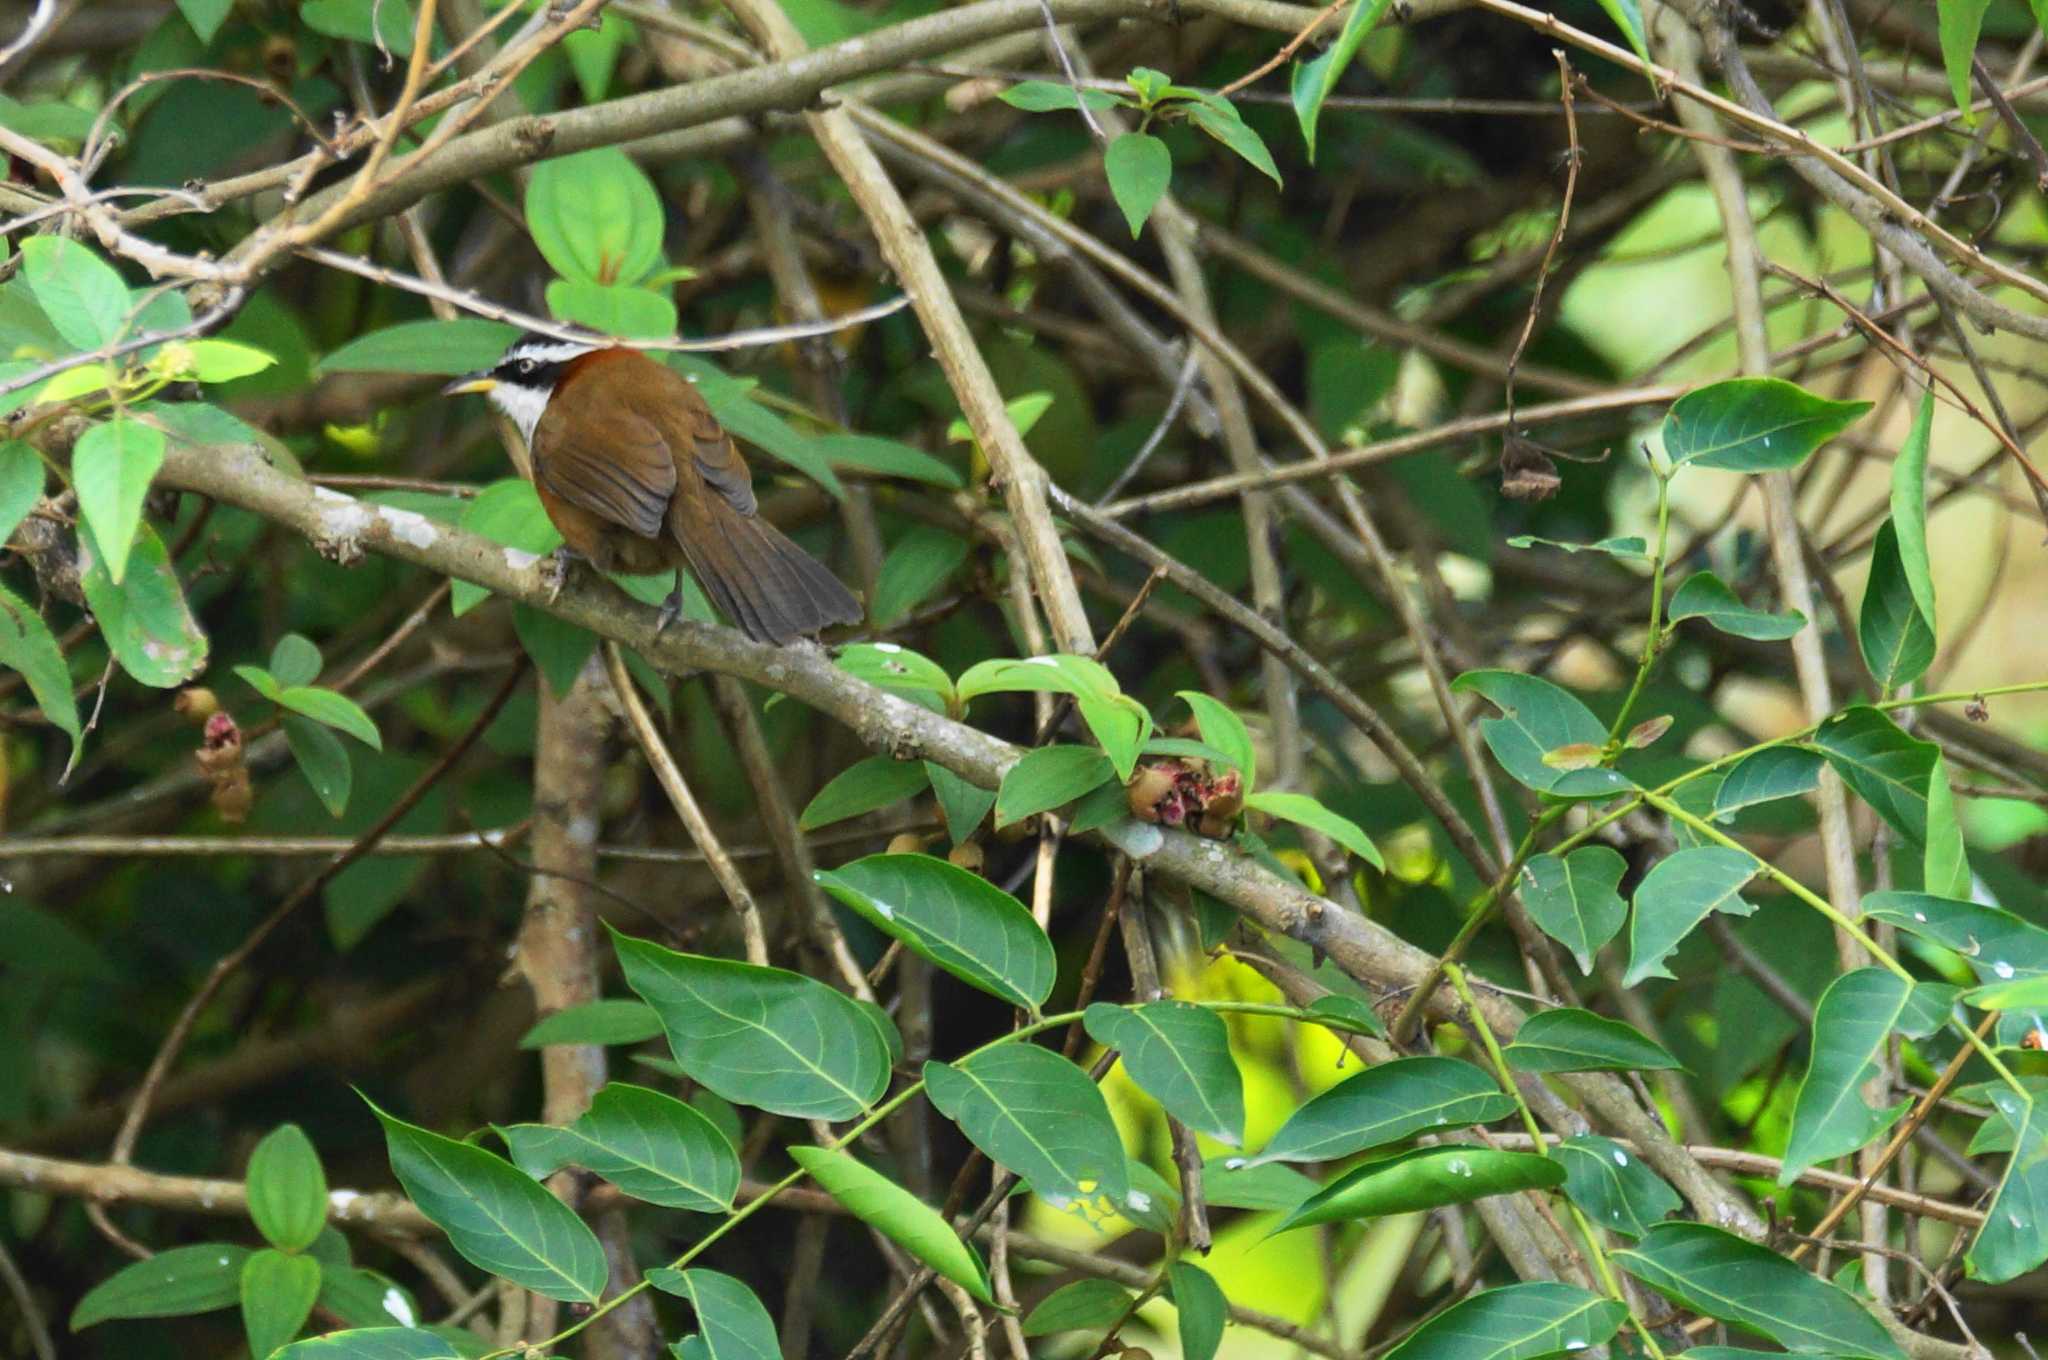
{"x": 1959, "y": 23}
{"x": 1678, "y": 893}
{"x": 1424, "y": 1178}
{"x": 900, "y": 671}
{"x": 1569, "y": 1040}
{"x": 1898, "y": 645}
{"x": 1705, "y": 596}
{"x": 653, "y": 1147}
{"x": 205, "y": 16}
{"x": 1945, "y": 867}
{"x": 1264, "y": 1188}
{"x": 1202, "y": 1309}
{"x": 294, "y": 660}
{"x": 1721, "y": 1275}
{"x": 1517, "y": 1322}
{"x": 21, "y": 484}
{"x": 1997, "y": 945}
{"x": 144, "y": 618}
{"x": 1314, "y": 80}
{"x": 1385, "y": 1104}
{"x": 1882, "y": 765}
{"x": 322, "y": 759}
{"x": 2021, "y": 994}
{"x": 612, "y": 309}
{"x": 775, "y": 1040}
{"x": 862, "y": 787}
{"x": 260, "y": 680}
{"x": 1223, "y": 729}
{"x": 334, "y": 710}
{"x": 1221, "y": 120}
{"x": 918, "y": 565}
{"x": 507, "y": 512}
{"x": 1046, "y": 96}
{"x": 1346, "y": 1014}
{"x": 732, "y": 1324}
{"x": 373, "y": 1343}
{"x": 1179, "y": 1054}
{"x": 26, "y": 646}
{"x": 902, "y": 1217}
{"x": 1139, "y": 168}
{"x": 287, "y": 1189}
{"x": 217, "y": 361}
{"x": 595, "y": 216}
{"x": 1574, "y": 900}
{"x": 1628, "y": 17}
{"x": 444, "y": 348}
{"x": 2011, "y": 1242}
{"x": 381, "y": 23}
{"x": 1851, "y": 1027}
{"x": 80, "y": 293}
{"x": 958, "y": 920}
{"x": 1049, "y": 777}
{"x": 1537, "y": 718}
{"x": 1119, "y": 723}
{"x": 1766, "y": 776}
{"x": 1303, "y": 810}
{"x": 964, "y": 804}
{"x": 1081, "y": 1306}
{"x": 112, "y": 468}
{"x": 1613, "y": 1189}
{"x": 1909, "y": 506}
{"x": 1032, "y": 1111}
{"x": 278, "y": 1292}
{"x": 889, "y": 457}
{"x": 559, "y": 649}
{"x": 1630, "y": 549}
{"x": 172, "y": 1283}
{"x": 1753, "y": 425}
{"x": 497, "y": 1218}
{"x": 595, "y": 1022}
{"x": 365, "y": 1298}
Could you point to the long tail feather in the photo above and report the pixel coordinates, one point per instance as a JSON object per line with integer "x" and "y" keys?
{"x": 771, "y": 589}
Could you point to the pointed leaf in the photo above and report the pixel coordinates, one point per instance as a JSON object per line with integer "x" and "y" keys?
{"x": 905, "y": 1219}
{"x": 1705, "y": 596}
{"x": 1681, "y": 891}
{"x": 1084, "y": 1305}
{"x": 1385, "y": 1104}
{"x": 1851, "y": 1026}
{"x": 441, "y": 348}
{"x": 775, "y": 1040}
{"x": 1314, "y": 80}
{"x": 1303, "y": 810}
{"x": 1945, "y": 868}
{"x": 144, "y": 618}
{"x": 1753, "y": 425}
{"x": 1179, "y": 1054}
{"x": 287, "y": 1189}
{"x": 732, "y": 1324}
{"x": 595, "y": 1022}
{"x": 1909, "y": 506}
{"x": 1568, "y": 1040}
{"x": 1536, "y": 718}
{"x": 1202, "y": 1309}
{"x": 1047, "y": 778}
{"x": 79, "y": 292}
{"x": 112, "y": 468}
{"x": 1573, "y": 900}
{"x": 1036, "y": 1113}
{"x": 1898, "y": 644}
{"x": 1221, "y": 120}
{"x": 652, "y": 1146}
{"x": 330, "y": 709}
{"x": 1997, "y": 945}
{"x": 1424, "y": 1178}
{"x": 1223, "y": 729}
{"x": 1612, "y": 1188}
{"x": 2011, "y": 1243}
{"x": 958, "y": 920}
{"x": 1518, "y": 1322}
{"x": 1886, "y": 768}
{"x": 172, "y": 1283}
{"x": 1766, "y": 776}
{"x": 863, "y": 787}
{"x": 1139, "y": 167}
{"x": 1959, "y": 23}
{"x": 278, "y": 1293}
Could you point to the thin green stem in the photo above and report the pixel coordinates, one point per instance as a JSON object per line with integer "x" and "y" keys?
{"x": 1654, "y": 643}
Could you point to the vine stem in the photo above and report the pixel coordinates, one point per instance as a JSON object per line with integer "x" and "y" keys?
{"x": 1503, "y": 1074}
{"x": 1653, "y": 645}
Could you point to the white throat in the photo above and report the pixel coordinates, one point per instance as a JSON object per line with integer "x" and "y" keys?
{"x": 524, "y": 404}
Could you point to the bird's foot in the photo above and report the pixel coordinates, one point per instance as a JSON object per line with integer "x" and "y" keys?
{"x": 555, "y": 571}
{"x": 671, "y": 609}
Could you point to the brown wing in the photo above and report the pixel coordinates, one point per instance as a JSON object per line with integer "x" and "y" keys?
{"x": 690, "y": 428}
{"x": 618, "y": 465}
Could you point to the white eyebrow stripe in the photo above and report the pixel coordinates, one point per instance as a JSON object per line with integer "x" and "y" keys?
{"x": 555, "y": 352}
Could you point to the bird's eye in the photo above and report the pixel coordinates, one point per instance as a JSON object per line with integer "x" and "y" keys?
{"x": 527, "y": 365}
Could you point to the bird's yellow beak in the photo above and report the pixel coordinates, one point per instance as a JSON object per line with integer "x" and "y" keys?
{"x": 469, "y": 382}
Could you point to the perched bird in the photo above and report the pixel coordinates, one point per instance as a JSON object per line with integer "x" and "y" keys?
{"x": 638, "y": 477}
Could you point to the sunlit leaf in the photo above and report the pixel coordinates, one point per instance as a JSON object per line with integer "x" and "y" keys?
{"x": 958, "y": 920}
{"x": 1179, "y": 1054}
{"x": 1385, "y": 1104}
{"x": 652, "y": 1146}
{"x": 1753, "y": 425}
{"x": 905, "y": 1219}
{"x": 1574, "y": 900}
{"x": 1570, "y": 1040}
{"x": 1036, "y": 1113}
{"x": 1424, "y": 1178}
{"x": 1679, "y": 892}
{"x": 1614, "y": 1188}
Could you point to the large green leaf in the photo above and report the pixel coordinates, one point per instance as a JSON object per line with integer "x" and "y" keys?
{"x": 1573, "y": 899}
{"x": 595, "y": 216}
{"x": 731, "y": 1323}
{"x": 1139, "y": 167}
{"x": 278, "y": 1292}
{"x": 1036, "y": 1113}
{"x": 1681, "y": 891}
{"x": 172, "y": 1283}
{"x": 1909, "y": 504}
{"x": 1537, "y": 718}
{"x": 1385, "y": 1104}
{"x": 911, "y": 674}
{"x": 1723, "y": 1276}
{"x": 27, "y": 646}
{"x": 1997, "y": 945}
{"x": 1179, "y": 1054}
{"x": 144, "y": 617}
{"x": 1314, "y": 79}
{"x": 445, "y": 348}
{"x": 80, "y": 293}
{"x": 1766, "y": 776}
{"x": 1223, "y": 729}
{"x": 2012, "y": 1241}
{"x": 887, "y": 457}
{"x": 1049, "y": 777}
{"x": 959, "y": 920}
{"x": 905, "y": 1219}
{"x": 1705, "y": 596}
{"x": 1424, "y": 1178}
{"x": 775, "y": 1040}
{"x": 1518, "y": 1322}
{"x": 863, "y": 787}
{"x": 1898, "y": 644}
{"x": 287, "y": 1189}
{"x": 497, "y": 1218}
{"x": 1886, "y": 768}
{"x": 1753, "y": 425}
{"x": 1851, "y": 1027}
{"x": 965, "y": 805}
{"x": 1303, "y": 810}
{"x": 508, "y": 511}
{"x": 612, "y": 309}
{"x": 1202, "y": 1308}
{"x": 1959, "y": 23}
{"x": 652, "y": 1146}
{"x": 1612, "y": 1188}
{"x": 373, "y": 1343}
{"x": 1118, "y": 722}
{"x": 322, "y": 759}
{"x": 1568, "y": 1040}
{"x": 111, "y": 469}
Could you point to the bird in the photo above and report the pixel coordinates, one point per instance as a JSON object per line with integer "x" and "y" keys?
{"x": 638, "y": 476}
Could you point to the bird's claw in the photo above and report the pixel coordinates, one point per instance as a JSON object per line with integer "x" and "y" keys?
{"x": 554, "y": 571}
{"x": 671, "y": 610}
